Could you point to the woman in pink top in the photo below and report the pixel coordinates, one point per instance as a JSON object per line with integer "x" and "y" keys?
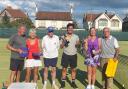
{"x": 34, "y": 53}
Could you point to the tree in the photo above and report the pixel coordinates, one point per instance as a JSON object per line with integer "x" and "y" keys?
{"x": 75, "y": 24}
{"x": 25, "y": 21}
{"x": 125, "y": 24}
{"x": 85, "y": 25}
{"x": 6, "y": 20}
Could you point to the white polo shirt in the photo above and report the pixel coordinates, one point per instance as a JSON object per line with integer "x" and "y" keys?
{"x": 50, "y": 46}
{"x": 116, "y": 45}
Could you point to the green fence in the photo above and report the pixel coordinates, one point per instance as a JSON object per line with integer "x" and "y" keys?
{"x": 6, "y": 33}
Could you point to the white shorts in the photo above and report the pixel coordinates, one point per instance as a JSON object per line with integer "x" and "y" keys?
{"x": 32, "y": 63}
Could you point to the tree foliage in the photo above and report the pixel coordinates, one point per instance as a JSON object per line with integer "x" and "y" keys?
{"x": 25, "y": 21}
{"x": 6, "y": 23}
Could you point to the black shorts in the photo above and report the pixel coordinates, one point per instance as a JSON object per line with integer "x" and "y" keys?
{"x": 69, "y": 60}
{"x": 16, "y": 65}
{"x": 50, "y": 62}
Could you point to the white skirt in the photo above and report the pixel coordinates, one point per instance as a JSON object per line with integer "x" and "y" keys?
{"x": 32, "y": 63}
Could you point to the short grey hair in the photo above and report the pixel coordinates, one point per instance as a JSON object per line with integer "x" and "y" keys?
{"x": 21, "y": 25}
{"x": 106, "y": 28}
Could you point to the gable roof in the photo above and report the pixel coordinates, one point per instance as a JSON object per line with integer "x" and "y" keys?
{"x": 15, "y": 13}
{"x": 92, "y": 16}
{"x": 110, "y": 15}
{"x": 118, "y": 17}
{"x": 43, "y": 15}
{"x": 125, "y": 19}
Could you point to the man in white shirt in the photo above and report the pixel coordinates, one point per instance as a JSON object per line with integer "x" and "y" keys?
{"x": 50, "y": 46}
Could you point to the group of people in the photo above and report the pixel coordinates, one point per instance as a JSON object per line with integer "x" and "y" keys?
{"x": 98, "y": 52}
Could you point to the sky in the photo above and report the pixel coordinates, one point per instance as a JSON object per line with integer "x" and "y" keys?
{"x": 81, "y": 7}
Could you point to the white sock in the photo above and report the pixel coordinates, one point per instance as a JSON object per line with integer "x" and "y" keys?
{"x": 93, "y": 86}
{"x": 88, "y": 86}
{"x": 45, "y": 82}
{"x": 53, "y": 82}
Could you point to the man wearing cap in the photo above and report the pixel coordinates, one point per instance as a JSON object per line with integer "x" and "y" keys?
{"x": 50, "y": 46}
{"x": 70, "y": 41}
{"x": 14, "y": 45}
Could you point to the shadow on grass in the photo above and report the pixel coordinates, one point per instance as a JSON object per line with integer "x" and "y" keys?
{"x": 115, "y": 82}
{"x": 81, "y": 77}
{"x": 98, "y": 84}
{"x": 23, "y": 74}
{"x": 58, "y": 76}
{"x": 41, "y": 72}
{"x": 59, "y": 72}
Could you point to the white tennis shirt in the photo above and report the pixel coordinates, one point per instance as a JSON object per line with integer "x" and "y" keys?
{"x": 50, "y": 46}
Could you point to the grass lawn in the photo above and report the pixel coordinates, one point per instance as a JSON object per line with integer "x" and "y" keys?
{"x": 81, "y": 76}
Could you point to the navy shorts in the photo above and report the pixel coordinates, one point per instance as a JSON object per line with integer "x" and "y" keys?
{"x": 16, "y": 65}
{"x": 50, "y": 62}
